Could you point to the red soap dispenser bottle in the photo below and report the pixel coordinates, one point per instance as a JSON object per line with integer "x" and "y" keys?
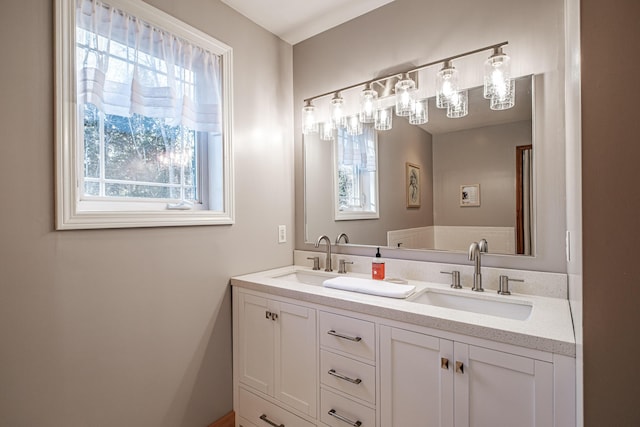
{"x": 377, "y": 267}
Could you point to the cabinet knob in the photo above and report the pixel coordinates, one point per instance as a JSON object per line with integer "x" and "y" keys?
{"x": 267, "y": 314}
{"x": 460, "y": 367}
{"x": 444, "y": 363}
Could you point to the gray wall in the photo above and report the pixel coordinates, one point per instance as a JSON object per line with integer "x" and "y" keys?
{"x": 130, "y": 327}
{"x": 485, "y": 156}
{"x": 407, "y": 143}
{"x": 413, "y": 32}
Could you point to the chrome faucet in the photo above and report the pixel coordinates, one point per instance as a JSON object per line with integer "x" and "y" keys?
{"x": 327, "y": 263}
{"x": 340, "y": 236}
{"x": 475, "y": 251}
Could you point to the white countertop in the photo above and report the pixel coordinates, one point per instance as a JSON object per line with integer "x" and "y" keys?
{"x": 549, "y": 327}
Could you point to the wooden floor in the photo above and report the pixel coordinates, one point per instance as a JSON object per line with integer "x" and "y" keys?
{"x": 226, "y": 421}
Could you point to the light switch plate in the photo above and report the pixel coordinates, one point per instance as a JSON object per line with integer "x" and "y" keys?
{"x": 282, "y": 234}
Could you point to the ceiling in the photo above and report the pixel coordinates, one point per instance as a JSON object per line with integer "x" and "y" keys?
{"x": 296, "y": 20}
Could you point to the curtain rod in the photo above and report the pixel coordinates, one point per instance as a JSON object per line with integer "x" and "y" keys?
{"x": 411, "y": 70}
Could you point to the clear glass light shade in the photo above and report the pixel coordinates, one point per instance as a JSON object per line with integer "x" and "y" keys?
{"x": 337, "y": 111}
{"x": 420, "y": 113}
{"x": 326, "y": 131}
{"x": 309, "y": 123}
{"x": 384, "y": 119}
{"x": 446, "y": 85}
{"x": 354, "y": 126}
{"x": 368, "y": 100}
{"x": 505, "y": 98}
{"x": 405, "y": 93}
{"x": 497, "y": 73}
{"x": 459, "y": 105}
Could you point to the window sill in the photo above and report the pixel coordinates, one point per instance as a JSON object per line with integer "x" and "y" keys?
{"x": 100, "y": 219}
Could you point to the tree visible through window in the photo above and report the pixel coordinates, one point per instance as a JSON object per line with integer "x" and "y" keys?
{"x": 138, "y": 157}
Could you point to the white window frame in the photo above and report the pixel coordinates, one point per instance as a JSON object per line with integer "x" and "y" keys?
{"x": 74, "y": 213}
{"x": 353, "y": 212}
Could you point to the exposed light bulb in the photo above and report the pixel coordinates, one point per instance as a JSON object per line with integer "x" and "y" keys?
{"x": 405, "y": 92}
{"x": 446, "y": 84}
{"x": 497, "y": 74}
{"x": 309, "y": 123}
{"x": 368, "y": 99}
{"x": 337, "y": 111}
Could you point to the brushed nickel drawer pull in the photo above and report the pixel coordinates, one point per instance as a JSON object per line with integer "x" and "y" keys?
{"x": 342, "y": 377}
{"x": 334, "y": 414}
{"x": 346, "y": 337}
{"x": 264, "y": 418}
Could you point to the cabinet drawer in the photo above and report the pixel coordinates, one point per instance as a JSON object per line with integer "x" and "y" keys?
{"x": 345, "y": 412}
{"x": 252, "y": 408}
{"x": 349, "y": 335}
{"x": 349, "y": 376}
{"x": 244, "y": 423}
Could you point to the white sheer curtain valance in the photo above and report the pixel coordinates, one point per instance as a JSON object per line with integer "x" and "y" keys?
{"x": 126, "y": 66}
{"x": 358, "y": 150}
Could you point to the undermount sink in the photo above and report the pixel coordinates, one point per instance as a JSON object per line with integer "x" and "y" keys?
{"x": 307, "y": 277}
{"x": 517, "y": 310}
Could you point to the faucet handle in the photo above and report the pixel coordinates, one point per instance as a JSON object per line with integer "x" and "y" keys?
{"x": 316, "y": 262}
{"x": 455, "y": 278}
{"x": 342, "y": 266}
{"x": 503, "y": 285}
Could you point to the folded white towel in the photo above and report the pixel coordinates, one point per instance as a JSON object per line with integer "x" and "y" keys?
{"x": 369, "y": 286}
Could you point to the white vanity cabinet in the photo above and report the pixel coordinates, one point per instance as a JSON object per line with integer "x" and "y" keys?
{"x": 429, "y": 381}
{"x": 305, "y": 361}
{"x": 277, "y": 352}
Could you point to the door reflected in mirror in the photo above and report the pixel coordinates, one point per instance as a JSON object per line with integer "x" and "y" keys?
{"x": 490, "y": 153}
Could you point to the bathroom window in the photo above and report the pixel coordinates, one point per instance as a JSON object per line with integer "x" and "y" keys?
{"x": 144, "y": 126}
{"x": 356, "y": 177}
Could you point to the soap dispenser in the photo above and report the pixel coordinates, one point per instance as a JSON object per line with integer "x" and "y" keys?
{"x": 377, "y": 267}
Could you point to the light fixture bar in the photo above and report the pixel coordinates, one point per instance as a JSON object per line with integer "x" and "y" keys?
{"x": 412, "y": 70}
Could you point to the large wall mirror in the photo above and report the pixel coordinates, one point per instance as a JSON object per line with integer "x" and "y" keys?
{"x": 437, "y": 186}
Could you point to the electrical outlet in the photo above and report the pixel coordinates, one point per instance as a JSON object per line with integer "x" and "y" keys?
{"x": 282, "y": 234}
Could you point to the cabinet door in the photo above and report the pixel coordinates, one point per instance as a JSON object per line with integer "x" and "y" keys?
{"x": 501, "y": 389}
{"x": 416, "y": 379}
{"x": 256, "y": 343}
{"x": 296, "y": 356}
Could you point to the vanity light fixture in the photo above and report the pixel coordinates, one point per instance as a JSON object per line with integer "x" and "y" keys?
{"x": 499, "y": 88}
{"x": 327, "y": 130}
{"x": 309, "y": 123}
{"x": 504, "y": 99}
{"x": 368, "y": 98}
{"x": 384, "y": 119}
{"x": 354, "y": 126}
{"x": 337, "y": 110}
{"x": 459, "y": 105}
{"x": 446, "y": 84}
{"x": 405, "y": 93}
{"x": 497, "y": 74}
{"x": 419, "y": 112}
